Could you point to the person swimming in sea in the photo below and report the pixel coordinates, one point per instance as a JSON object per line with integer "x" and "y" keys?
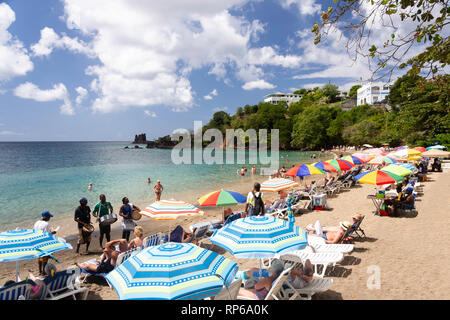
{"x": 90, "y": 186}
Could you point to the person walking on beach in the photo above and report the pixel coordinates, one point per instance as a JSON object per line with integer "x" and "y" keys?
{"x": 44, "y": 226}
{"x": 253, "y": 170}
{"x": 101, "y": 209}
{"x": 125, "y": 212}
{"x": 83, "y": 217}
{"x": 255, "y": 202}
{"x": 158, "y": 188}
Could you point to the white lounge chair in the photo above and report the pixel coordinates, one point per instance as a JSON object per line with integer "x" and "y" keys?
{"x": 64, "y": 284}
{"x": 17, "y": 291}
{"x": 318, "y": 244}
{"x": 125, "y": 255}
{"x": 319, "y": 260}
{"x": 274, "y": 293}
{"x": 229, "y": 293}
{"x": 305, "y": 293}
{"x": 152, "y": 240}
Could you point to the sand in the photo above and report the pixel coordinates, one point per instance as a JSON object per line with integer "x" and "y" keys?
{"x": 410, "y": 252}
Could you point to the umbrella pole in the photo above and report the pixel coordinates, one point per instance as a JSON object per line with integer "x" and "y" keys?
{"x": 260, "y": 268}
{"x": 17, "y": 271}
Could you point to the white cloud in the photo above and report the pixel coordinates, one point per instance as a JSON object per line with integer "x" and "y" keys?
{"x": 305, "y": 7}
{"x": 13, "y": 56}
{"x": 29, "y": 90}
{"x": 258, "y": 84}
{"x": 82, "y": 93}
{"x": 216, "y": 109}
{"x": 210, "y": 95}
{"x": 50, "y": 40}
{"x": 147, "y": 49}
{"x": 10, "y": 133}
{"x": 150, "y": 113}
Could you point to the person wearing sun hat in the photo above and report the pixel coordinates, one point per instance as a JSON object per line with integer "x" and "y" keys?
{"x": 44, "y": 226}
{"x": 332, "y": 234}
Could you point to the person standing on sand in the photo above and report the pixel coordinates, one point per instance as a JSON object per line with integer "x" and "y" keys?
{"x": 83, "y": 217}
{"x": 101, "y": 209}
{"x": 125, "y": 212}
{"x": 44, "y": 226}
{"x": 255, "y": 202}
{"x": 253, "y": 169}
{"x": 158, "y": 188}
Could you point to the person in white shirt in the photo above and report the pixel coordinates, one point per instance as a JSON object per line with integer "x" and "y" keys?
{"x": 255, "y": 202}
{"x": 44, "y": 226}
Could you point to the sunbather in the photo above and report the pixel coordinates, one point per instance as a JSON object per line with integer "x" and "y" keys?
{"x": 108, "y": 259}
{"x": 179, "y": 235}
{"x": 331, "y": 234}
{"x": 139, "y": 238}
{"x": 261, "y": 287}
{"x": 299, "y": 278}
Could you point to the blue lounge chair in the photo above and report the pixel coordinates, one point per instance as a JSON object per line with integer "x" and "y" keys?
{"x": 17, "y": 291}
{"x": 151, "y": 241}
{"x": 64, "y": 284}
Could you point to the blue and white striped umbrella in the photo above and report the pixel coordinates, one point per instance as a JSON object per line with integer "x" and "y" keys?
{"x": 172, "y": 271}
{"x": 23, "y": 244}
{"x": 16, "y": 245}
{"x": 260, "y": 237}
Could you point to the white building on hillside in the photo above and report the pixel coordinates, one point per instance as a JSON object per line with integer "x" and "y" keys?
{"x": 274, "y": 98}
{"x": 372, "y": 93}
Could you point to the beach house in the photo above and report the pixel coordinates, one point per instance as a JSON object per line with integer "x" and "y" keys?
{"x": 372, "y": 93}
{"x": 274, "y": 98}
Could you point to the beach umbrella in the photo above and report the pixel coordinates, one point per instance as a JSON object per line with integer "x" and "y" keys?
{"x": 259, "y": 237}
{"x": 379, "y": 160}
{"x": 405, "y": 153}
{"x": 23, "y": 244}
{"x": 436, "y": 153}
{"x": 172, "y": 271}
{"x": 421, "y": 149}
{"x": 340, "y": 165}
{"x": 373, "y": 151}
{"x": 436, "y": 147}
{"x": 398, "y": 170}
{"x": 367, "y": 145}
{"x": 407, "y": 166}
{"x": 377, "y": 177}
{"x": 170, "y": 209}
{"x": 324, "y": 166}
{"x": 303, "y": 170}
{"x": 353, "y": 159}
{"x": 362, "y": 157}
{"x": 278, "y": 184}
{"x": 222, "y": 198}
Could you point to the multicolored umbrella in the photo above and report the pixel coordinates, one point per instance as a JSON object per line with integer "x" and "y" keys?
{"x": 421, "y": 149}
{"x": 353, "y": 159}
{"x": 405, "y": 153}
{"x": 260, "y": 237}
{"x": 278, "y": 184}
{"x": 382, "y": 160}
{"x": 172, "y": 271}
{"x": 222, "y": 198}
{"x": 170, "y": 209}
{"x": 396, "y": 169}
{"x": 303, "y": 170}
{"x": 407, "y": 166}
{"x": 340, "y": 165}
{"x": 377, "y": 177}
{"x": 363, "y": 157}
{"x": 23, "y": 244}
{"x": 324, "y": 166}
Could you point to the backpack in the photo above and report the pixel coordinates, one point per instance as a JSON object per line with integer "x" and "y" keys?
{"x": 258, "y": 209}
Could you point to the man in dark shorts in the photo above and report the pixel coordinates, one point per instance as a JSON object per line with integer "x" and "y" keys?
{"x": 101, "y": 209}
{"x": 83, "y": 217}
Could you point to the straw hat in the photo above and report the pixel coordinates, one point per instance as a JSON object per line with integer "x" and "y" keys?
{"x": 344, "y": 224}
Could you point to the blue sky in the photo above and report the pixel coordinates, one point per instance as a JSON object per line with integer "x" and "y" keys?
{"x": 106, "y": 70}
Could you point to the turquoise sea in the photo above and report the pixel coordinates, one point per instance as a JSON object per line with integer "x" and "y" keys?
{"x": 37, "y": 176}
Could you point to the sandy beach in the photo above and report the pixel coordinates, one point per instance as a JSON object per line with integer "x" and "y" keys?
{"x": 411, "y": 252}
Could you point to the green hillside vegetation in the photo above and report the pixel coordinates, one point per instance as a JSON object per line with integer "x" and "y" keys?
{"x": 419, "y": 116}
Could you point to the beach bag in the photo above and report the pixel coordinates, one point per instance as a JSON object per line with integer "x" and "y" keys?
{"x": 128, "y": 225}
{"x": 259, "y": 205}
{"x": 383, "y": 210}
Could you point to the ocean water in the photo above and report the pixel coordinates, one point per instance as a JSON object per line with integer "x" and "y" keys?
{"x": 38, "y": 176}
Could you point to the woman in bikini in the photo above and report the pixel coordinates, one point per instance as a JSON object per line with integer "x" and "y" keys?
{"x": 158, "y": 188}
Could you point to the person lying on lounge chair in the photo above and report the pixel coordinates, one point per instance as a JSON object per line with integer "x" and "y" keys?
{"x": 179, "y": 235}
{"x": 299, "y": 278}
{"x": 256, "y": 288}
{"x": 331, "y": 234}
{"x": 108, "y": 259}
{"x": 273, "y": 205}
